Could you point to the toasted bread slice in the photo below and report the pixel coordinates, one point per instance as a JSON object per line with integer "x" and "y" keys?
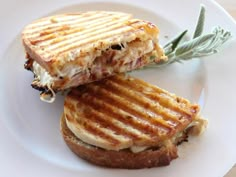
{"x": 123, "y": 112}
{"x": 123, "y": 115}
{"x": 68, "y": 50}
{"x": 152, "y": 157}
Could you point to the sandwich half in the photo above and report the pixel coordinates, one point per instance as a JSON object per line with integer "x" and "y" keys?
{"x": 124, "y": 122}
{"x": 69, "y": 50}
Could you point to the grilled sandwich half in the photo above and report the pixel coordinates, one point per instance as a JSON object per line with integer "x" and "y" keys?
{"x": 68, "y": 50}
{"x": 124, "y": 122}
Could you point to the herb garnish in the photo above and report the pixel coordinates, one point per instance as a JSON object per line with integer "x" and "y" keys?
{"x": 199, "y": 46}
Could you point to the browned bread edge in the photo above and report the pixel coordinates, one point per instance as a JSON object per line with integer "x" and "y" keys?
{"x": 118, "y": 159}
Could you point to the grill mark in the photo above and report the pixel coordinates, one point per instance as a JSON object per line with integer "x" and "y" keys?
{"x": 92, "y": 38}
{"x": 88, "y": 126}
{"x": 68, "y": 105}
{"x": 139, "y": 87}
{"x": 81, "y": 25}
{"x": 108, "y": 103}
{"x": 86, "y": 42}
{"x": 52, "y": 30}
{"x": 89, "y": 43}
{"x": 151, "y": 125}
{"x": 55, "y": 42}
{"x": 136, "y": 84}
{"x": 35, "y": 41}
{"x": 85, "y": 34}
{"x": 144, "y": 84}
{"x": 156, "y": 109}
{"x": 128, "y": 119}
{"x": 171, "y": 103}
{"x": 106, "y": 121}
{"x": 46, "y": 23}
{"x": 41, "y": 24}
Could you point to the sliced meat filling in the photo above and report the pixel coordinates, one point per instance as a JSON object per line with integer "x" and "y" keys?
{"x": 117, "y": 59}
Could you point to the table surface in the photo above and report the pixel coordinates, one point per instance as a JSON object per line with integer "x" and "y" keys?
{"x": 230, "y": 6}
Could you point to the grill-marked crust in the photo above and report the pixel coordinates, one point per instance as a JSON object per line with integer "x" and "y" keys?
{"x": 56, "y": 40}
{"x": 122, "y": 111}
{"x": 118, "y": 159}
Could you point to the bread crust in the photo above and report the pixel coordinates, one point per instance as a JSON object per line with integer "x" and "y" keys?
{"x": 60, "y": 40}
{"x": 118, "y": 159}
{"x": 123, "y": 112}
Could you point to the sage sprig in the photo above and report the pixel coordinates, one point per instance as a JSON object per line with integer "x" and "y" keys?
{"x": 199, "y": 46}
{"x": 200, "y": 23}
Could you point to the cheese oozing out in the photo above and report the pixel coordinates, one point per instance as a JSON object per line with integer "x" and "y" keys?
{"x": 195, "y": 128}
{"x": 128, "y": 52}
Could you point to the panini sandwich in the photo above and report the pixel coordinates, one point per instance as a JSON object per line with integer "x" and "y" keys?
{"x": 69, "y": 50}
{"x": 124, "y": 122}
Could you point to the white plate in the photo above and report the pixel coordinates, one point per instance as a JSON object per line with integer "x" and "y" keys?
{"x": 31, "y": 144}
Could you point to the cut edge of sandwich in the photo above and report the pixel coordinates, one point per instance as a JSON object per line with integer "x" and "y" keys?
{"x": 130, "y": 158}
{"x": 125, "y": 159}
{"x": 125, "y": 114}
{"x": 125, "y": 45}
{"x": 137, "y": 55}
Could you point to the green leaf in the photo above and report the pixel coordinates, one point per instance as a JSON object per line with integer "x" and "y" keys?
{"x": 192, "y": 44}
{"x": 174, "y": 42}
{"x": 168, "y": 49}
{"x": 201, "y": 45}
{"x": 153, "y": 57}
{"x": 200, "y": 24}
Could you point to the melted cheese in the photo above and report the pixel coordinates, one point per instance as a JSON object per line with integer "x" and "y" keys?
{"x": 45, "y": 80}
{"x": 197, "y": 127}
{"x": 131, "y": 52}
{"x": 137, "y": 149}
{"x": 42, "y": 75}
{"x": 194, "y": 129}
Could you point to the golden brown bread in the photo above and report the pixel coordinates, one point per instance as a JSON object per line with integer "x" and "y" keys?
{"x": 68, "y": 50}
{"x": 118, "y": 159}
{"x": 61, "y": 39}
{"x": 122, "y": 111}
{"x": 122, "y": 117}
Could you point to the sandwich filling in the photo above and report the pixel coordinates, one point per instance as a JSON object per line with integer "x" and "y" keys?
{"x": 122, "y": 112}
{"x": 197, "y": 127}
{"x": 116, "y": 59}
{"x": 72, "y": 49}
